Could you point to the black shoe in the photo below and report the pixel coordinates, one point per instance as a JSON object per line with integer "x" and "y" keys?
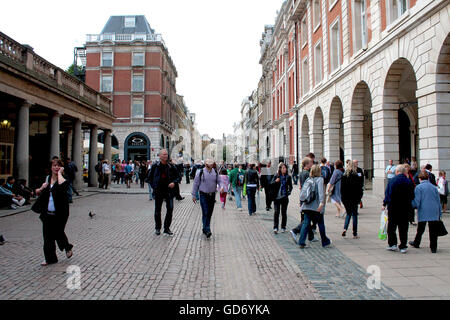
{"x": 411, "y": 243}
{"x": 433, "y": 251}
{"x": 208, "y": 235}
{"x": 267, "y": 209}
{"x": 158, "y": 232}
{"x": 168, "y": 232}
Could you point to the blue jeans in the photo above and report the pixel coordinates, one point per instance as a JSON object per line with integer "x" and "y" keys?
{"x": 150, "y": 192}
{"x": 352, "y": 212}
{"x": 314, "y": 217}
{"x": 251, "y": 192}
{"x": 237, "y": 194}
{"x": 207, "y": 202}
{"x": 70, "y": 190}
{"x": 295, "y": 178}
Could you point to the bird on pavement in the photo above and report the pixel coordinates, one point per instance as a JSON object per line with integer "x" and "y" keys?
{"x": 91, "y": 215}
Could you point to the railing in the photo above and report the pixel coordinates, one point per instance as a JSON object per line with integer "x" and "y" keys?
{"x": 48, "y": 72}
{"x": 125, "y": 37}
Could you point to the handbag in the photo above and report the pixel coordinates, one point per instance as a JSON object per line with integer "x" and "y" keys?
{"x": 40, "y": 206}
{"x": 441, "y": 231}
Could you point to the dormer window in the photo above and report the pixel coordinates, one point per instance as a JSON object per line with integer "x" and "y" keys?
{"x": 130, "y": 22}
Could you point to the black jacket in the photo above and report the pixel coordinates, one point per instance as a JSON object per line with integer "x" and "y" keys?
{"x": 251, "y": 177}
{"x": 155, "y": 174}
{"x": 275, "y": 186}
{"x": 60, "y": 199}
{"x": 351, "y": 189}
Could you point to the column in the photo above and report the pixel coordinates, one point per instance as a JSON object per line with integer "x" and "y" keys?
{"x": 331, "y": 142}
{"x": 107, "y": 145}
{"x": 354, "y": 142}
{"x": 23, "y": 141}
{"x": 93, "y": 156}
{"x": 54, "y": 135}
{"x": 77, "y": 154}
{"x": 69, "y": 141}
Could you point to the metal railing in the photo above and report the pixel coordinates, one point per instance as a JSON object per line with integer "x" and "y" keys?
{"x": 125, "y": 37}
{"x": 36, "y": 65}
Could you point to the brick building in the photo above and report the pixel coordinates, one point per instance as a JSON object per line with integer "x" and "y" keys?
{"x": 129, "y": 63}
{"x": 358, "y": 79}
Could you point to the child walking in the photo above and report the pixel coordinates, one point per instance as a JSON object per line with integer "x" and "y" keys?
{"x": 223, "y": 186}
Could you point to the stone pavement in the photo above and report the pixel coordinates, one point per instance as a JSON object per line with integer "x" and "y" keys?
{"x": 121, "y": 258}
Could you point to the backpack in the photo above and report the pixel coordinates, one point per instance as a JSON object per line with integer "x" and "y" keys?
{"x": 201, "y": 174}
{"x": 325, "y": 172}
{"x": 446, "y": 188}
{"x": 240, "y": 179}
{"x": 308, "y": 193}
{"x": 98, "y": 167}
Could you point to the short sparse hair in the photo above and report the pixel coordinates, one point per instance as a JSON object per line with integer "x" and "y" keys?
{"x": 423, "y": 176}
{"x": 315, "y": 171}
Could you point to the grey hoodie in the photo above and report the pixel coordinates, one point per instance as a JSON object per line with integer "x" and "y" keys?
{"x": 320, "y": 195}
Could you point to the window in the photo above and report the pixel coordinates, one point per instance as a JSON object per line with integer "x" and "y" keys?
{"x": 138, "y": 82}
{"x": 316, "y": 13}
{"x": 396, "y": 8}
{"x": 138, "y": 58}
{"x": 359, "y": 25}
{"x": 137, "y": 110}
{"x": 304, "y": 32}
{"x": 334, "y": 46}
{"x": 130, "y": 22}
{"x": 107, "y": 59}
{"x": 6, "y": 158}
{"x": 318, "y": 63}
{"x": 107, "y": 83}
{"x": 305, "y": 76}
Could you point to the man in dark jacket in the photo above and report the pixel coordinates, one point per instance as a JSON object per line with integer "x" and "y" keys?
{"x": 162, "y": 177}
{"x": 398, "y": 201}
{"x": 266, "y": 178}
{"x": 361, "y": 177}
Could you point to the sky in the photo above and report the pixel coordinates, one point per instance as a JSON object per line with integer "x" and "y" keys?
{"x": 213, "y": 44}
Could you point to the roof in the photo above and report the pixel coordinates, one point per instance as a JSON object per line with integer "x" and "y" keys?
{"x": 116, "y": 24}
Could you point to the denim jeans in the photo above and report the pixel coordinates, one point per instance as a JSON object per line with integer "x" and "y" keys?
{"x": 295, "y": 178}
{"x": 251, "y": 192}
{"x": 317, "y": 217}
{"x": 207, "y": 202}
{"x": 150, "y": 191}
{"x": 159, "y": 199}
{"x": 352, "y": 212}
{"x": 70, "y": 190}
{"x": 237, "y": 194}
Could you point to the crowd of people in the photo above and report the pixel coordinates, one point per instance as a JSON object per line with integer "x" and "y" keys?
{"x": 409, "y": 188}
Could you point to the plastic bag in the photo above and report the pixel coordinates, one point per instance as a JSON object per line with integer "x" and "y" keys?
{"x": 244, "y": 191}
{"x": 382, "y": 232}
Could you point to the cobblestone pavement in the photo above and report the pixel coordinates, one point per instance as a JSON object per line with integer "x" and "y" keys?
{"x": 121, "y": 258}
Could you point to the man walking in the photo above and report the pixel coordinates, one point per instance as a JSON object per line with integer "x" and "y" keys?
{"x": 106, "y": 170}
{"x": 266, "y": 178}
{"x": 360, "y": 173}
{"x": 163, "y": 177}
{"x": 237, "y": 176}
{"x": 205, "y": 183}
{"x": 398, "y": 201}
{"x": 295, "y": 172}
{"x": 70, "y": 170}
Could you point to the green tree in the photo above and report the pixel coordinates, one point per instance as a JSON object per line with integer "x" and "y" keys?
{"x": 71, "y": 69}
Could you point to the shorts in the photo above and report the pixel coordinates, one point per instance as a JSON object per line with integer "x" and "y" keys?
{"x": 443, "y": 199}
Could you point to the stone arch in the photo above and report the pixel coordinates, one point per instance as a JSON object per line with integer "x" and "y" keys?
{"x": 442, "y": 107}
{"x": 304, "y": 137}
{"x": 359, "y": 129}
{"x": 334, "y": 131}
{"x": 317, "y": 134}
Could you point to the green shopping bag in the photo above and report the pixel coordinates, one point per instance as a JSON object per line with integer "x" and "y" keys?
{"x": 382, "y": 232}
{"x": 244, "y": 191}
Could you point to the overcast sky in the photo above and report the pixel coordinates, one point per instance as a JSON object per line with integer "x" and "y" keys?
{"x": 214, "y": 44}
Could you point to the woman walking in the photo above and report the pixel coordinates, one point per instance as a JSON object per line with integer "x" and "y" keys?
{"x": 443, "y": 190}
{"x": 281, "y": 185}
{"x": 314, "y": 210}
{"x": 53, "y": 206}
{"x": 351, "y": 194}
{"x": 223, "y": 186}
{"x": 252, "y": 181}
{"x": 335, "y": 184}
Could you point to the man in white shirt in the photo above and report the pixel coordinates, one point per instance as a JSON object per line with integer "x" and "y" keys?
{"x": 390, "y": 170}
{"x": 106, "y": 170}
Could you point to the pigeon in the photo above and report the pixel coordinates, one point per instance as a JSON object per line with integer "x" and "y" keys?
{"x": 91, "y": 215}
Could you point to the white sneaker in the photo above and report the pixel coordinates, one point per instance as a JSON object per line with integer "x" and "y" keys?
{"x": 240, "y": 209}
{"x": 404, "y": 250}
{"x": 13, "y": 206}
{"x": 283, "y": 230}
{"x": 393, "y": 248}
{"x": 275, "y": 231}
{"x": 314, "y": 240}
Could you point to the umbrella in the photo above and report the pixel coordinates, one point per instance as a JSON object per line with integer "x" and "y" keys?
{"x": 99, "y": 148}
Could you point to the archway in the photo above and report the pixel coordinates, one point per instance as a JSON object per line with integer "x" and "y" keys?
{"x": 335, "y": 134}
{"x": 360, "y": 136}
{"x": 400, "y": 96}
{"x": 442, "y": 108}
{"x": 317, "y": 134}
{"x": 304, "y": 138}
{"x": 137, "y": 147}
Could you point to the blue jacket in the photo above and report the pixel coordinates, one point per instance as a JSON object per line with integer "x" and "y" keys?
{"x": 427, "y": 202}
